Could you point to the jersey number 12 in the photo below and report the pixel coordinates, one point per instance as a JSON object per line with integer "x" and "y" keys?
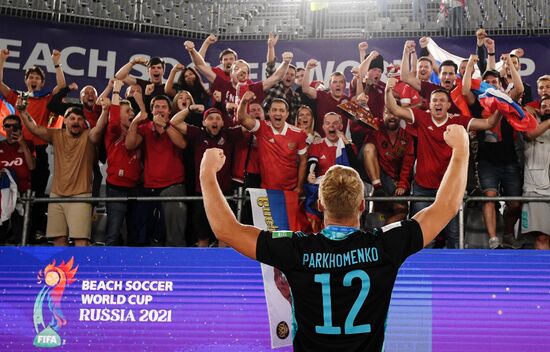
{"x": 349, "y": 327}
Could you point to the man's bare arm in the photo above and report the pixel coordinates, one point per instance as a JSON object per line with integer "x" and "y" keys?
{"x": 451, "y": 192}
{"x": 59, "y": 75}
{"x": 199, "y": 62}
{"x": 30, "y": 124}
{"x": 407, "y": 75}
{"x": 210, "y": 40}
{"x": 306, "y": 89}
{"x": 391, "y": 103}
{"x": 4, "y": 89}
{"x": 225, "y": 226}
{"x": 536, "y": 132}
{"x": 96, "y": 133}
{"x": 124, "y": 73}
{"x": 169, "y": 86}
{"x": 245, "y": 119}
{"x": 279, "y": 74}
{"x": 133, "y": 139}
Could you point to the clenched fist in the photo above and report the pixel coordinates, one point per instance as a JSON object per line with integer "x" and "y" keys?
{"x": 212, "y": 160}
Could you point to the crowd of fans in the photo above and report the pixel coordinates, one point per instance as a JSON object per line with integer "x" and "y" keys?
{"x": 281, "y": 133}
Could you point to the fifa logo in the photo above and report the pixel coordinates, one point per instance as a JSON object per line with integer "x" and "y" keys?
{"x": 54, "y": 279}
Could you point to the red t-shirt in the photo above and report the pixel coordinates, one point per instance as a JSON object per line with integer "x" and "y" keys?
{"x": 38, "y": 109}
{"x": 325, "y": 153}
{"x": 433, "y": 154}
{"x": 229, "y": 94}
{"x": 92, "y": 115}
{"x": 278, "y": 154}
{"x": 325, "y": 104}
{"x": 239, "y": 157}
{"x": 163, "y": 160}
{"x": 376, "y": 101}
{"x": 13, "y": 158}
{"x": 123, "y": 165}
{"x": 396, "y": 159}
{"x": 201, "y": 140}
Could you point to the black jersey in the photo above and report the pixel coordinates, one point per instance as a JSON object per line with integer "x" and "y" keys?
{"x": 341, "y": 289}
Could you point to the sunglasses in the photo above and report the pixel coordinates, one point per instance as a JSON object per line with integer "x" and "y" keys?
{"x": 12, "y": 125}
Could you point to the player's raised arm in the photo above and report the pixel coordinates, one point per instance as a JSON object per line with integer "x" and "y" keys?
{"x": 451, "y": 192}
{"x": 225, "y": 226}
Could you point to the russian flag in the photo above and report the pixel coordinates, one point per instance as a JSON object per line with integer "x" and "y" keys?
{"x": 492, "y": 99}
{"x": 311, "y": 191}
{"x": 274, "y": 210}
{"x": 5, "y": 110}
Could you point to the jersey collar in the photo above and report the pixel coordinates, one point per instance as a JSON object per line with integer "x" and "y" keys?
{"x": 337, "y": 232}
{"x": 283, "y": 131}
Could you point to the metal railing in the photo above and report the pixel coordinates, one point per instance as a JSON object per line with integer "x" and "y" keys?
{"x": 292, "y": 19}
{"x": 239, "y": 198}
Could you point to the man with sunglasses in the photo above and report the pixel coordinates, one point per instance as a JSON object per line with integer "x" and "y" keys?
{"x": 16, "y": 154}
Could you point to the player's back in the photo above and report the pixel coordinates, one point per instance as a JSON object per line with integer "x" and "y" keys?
{"x": 341, "y": 282}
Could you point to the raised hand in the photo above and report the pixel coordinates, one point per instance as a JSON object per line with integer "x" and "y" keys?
{"x": 456, "y": 137}
{"x": 424, "y": 41}
{"x": 272, "y": 40}
{"x": 212, "y": 39}
{"x": 73, "y": 86}
{"x": 4, "y": 54}
{"x": 149, "y": 89}
{"x": 212, "y": 160}
{"x": 217, "y": 95}
{"x": 287, "y": 56}
{"x": 391, "y": 83}
{"x": 189, "y": 45}
{"x": 140, "y": 60}
{"x": 311, "y": 63}
{"x": 178, "y": 67}
{"x": 248, "y": 97}
{"x": 56, "y": 56}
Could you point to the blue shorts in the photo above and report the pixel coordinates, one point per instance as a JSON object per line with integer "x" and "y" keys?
{"x": 505, "y": 178}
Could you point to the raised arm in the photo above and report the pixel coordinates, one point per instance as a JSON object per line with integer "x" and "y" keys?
{"x": 4, "y": 89}
{"x": 199, "y": 62}
{"x": 124, "y": 73}
{"x": 108, "y": 89}
{"x": 407, "y": 75}
{"x": 133, "y": 139}
{"x": 481, "y": 50}
{"x": 279, "y": 74}
{"x": 96, "y": 133}
{"x": 451, "y": 192}
{"x": 485, "y": 124}
{"x": 210, "y": 40}
{"x": 225, "y": 226}
{"x": 364, "y": 67}
{"x": 518, "y": 88}
{"x": 362, "y": 47}
{"x": 177, "y": 121}
{"x": 306, "y": 89}
{"x": 117, "y": 86}
{"x": 467, "y": 80}
{"x": 391, "y": 103}
{"x": 271, "y": 42}
{"x": 245, "y": 119}
{"x": 30, "y": 124}
{"x": 536, "y": 132}
{"x": 59, "y": 75}
{"x": 169, "y": 86}
{"x": 491, "y": 56}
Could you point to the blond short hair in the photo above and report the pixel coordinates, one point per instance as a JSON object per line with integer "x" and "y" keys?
{"x": 543, "y": 78}
{"x": 341, "y": 192}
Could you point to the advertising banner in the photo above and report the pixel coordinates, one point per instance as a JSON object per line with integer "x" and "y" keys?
{"x": 93, "y": 55}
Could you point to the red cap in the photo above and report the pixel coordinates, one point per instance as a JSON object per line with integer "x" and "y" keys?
{"x": 211, "y": 111}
